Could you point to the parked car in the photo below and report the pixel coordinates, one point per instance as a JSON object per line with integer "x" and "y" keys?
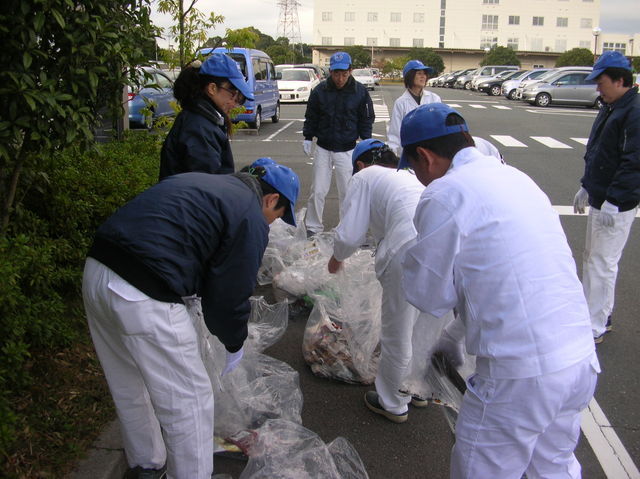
{"x": 464, "y": 81}
{"x": 156, "y": 95}
{"x": 492, "y": 85}
{"x": 564, "y": 88}
{"x": 316, "y": 68}
{"x": 526, "y": 83}
{"x": 364, "y": 76}
{"x": 451, "y": 78}
{"x": 376, "y": 75}
{"x": 281, "y": 67}
{"x": 295, "y": 84}
{"x": 258, "y": 69}
{"x": 509, "y": 86}
{"x": 487, "y": 72}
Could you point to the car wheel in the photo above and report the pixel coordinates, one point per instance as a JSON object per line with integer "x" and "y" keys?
{"x": 543, "y": 99}
{"x": 258, "y": 121}
{"x": 512, "y": 94}
{"x": 494, "y": 90}
{"x": 276, "y": 117}
{"x": 467, "y": 86}
{"x": 599, "y": 103}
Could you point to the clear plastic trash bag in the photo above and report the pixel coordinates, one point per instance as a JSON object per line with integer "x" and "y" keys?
{"x": 282, "y": 449}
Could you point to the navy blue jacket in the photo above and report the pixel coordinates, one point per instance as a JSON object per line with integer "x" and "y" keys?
{"x": 612, "y": 159}
{"x": 338, "y": 117}
{"x": 197, "y": 141}
{"x": 193, "y": 233}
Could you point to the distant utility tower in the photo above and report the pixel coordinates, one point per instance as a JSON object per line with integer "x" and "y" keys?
{"x": 288, "y": 23}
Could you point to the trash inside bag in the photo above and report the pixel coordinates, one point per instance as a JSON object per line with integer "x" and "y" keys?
{"x": 282, "y": 449}
{"x": 267, "y": 323}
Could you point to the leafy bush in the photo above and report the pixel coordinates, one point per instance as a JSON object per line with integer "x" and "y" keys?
{"x": 575, "y": 57}
{"x": 42, "y": 255}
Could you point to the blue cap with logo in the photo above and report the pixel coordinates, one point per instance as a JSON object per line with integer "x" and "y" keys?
{"x": 609, "y": 59}
{"x": 416, "y": 65}
{"x": 263, "y": 161}
{"x": 283, "y": 179}
{"x": 340, "y": 61}
{"x": 424, "y": 123}
{"x": 221, "y": 65}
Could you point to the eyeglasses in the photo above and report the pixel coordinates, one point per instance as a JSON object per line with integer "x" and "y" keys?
{"x": 235, "y": 94}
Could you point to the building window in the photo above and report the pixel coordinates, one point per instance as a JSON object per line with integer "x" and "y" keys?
{"x": 536, "y": 44}
{"x": 372, "y": 42}
{"x": 586, "y": 23}
{"x": 418, "y": 17}
{"x": 514, "y": 19}
{"x": 349, "y": 16}
{"x": 538, "y": 21}
{"x": 615, "y": 47}
{"x": 488, "y": 42}
{"x": 395, "y": 17}
{"x": 326, "y": 40}
{"x": 349, "y": 41}
{"x": 561, "y": 45}
{"x": 372, "y": 17}
{"x": 489, "y": 22}
{"x": 490, "y": 2}
{"x": 562, "y": 22}
{"x": 588, "y": 1}
{"x": 512, "y": 43}
{"x": 327, "y": 16}
{"x": 585, "y": 44}
{"x": 394, "y": 42}
{"x": 418, "y": 42}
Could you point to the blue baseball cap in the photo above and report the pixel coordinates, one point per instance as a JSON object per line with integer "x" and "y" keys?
{"x": 340, "y": 61}
{"x": 416, "y": 65}
{"x": 608, "y": 59}
{"x": 363, "y": 147}
{"x": 221, "y": 65}
{"x": 285, "y": 180}
{"x": 263, "y": 162}
{"x": 424, "y": 123}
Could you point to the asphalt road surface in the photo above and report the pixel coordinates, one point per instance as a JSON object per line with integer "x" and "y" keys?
{"x": 548, "y": 145}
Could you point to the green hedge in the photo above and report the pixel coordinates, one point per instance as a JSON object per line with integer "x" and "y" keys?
{"x": 42, "y": 257}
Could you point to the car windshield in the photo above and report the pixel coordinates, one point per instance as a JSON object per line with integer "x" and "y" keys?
{"x": 295, "y": 75}
{"x": 361, "y": 73}
{"x": 520, "y": 74}
{"x": 536, "y": 75}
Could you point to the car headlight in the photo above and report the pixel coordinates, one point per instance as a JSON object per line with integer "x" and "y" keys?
{"x": 303, "y": 88}
{"x": 484, "y": 84}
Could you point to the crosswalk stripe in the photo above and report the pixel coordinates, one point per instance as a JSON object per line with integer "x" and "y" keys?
{"x": 473, "y": 105}
{"x": 501, "y": 107}
{"x": 453, "y": 105}
{"x": 507, "y": 140}
{"x": 550, "y": 142}
{"x": 582, "y": 141}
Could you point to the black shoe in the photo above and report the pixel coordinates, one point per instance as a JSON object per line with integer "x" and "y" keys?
{"x": 608, "y": 327}
{"x": 140, "y": 473}
{"x": 418, "y": 402}
{"x": 310, "y": 234}
{"x": 372, "y": 402}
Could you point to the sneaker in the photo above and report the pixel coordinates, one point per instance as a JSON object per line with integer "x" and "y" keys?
{"x": 418, "y": 402}
{"x": 310, "y": 234}
{"x": 599, "y": 339}
{"x": 140, "y": 473}
{"x": 372, "y": 402}
{"x": 608, "y": 327}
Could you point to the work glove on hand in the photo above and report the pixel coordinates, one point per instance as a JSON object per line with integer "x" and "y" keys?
{"x": 580, "y": 201}
{"x": 307, "y": 145}
{"x": 607, "y": 216}
{"x": 233, "y": 359}
{"x": 452, "y": 349}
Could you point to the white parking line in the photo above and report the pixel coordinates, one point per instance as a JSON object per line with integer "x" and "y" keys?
{"x": 506, "y": 140}
{"x": 563, "y": 113}
{"x": 501, "y": 107}
{"x": 568, "y": 211}
{"x": 453, "y": 105}
{"x": 582, "y": 141}
{"x": 277, "y": 132}
{"x": 473, "y": 105}
{"x": 550, "y": 142}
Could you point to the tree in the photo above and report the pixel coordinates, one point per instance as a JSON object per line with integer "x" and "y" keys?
{"x": 428, "y": 57}
{"x": 242, "y": 37}
{"x": 60, "y": 66}
{"x": 360, "y": 57}
{"x": 500, "y": 56}
{"x": 575, "y": 57}
{"x": 635, "y": 63}
{"x": 190, "y": 28}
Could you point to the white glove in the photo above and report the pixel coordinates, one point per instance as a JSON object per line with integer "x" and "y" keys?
{"x": 607, "y": 216}
{"x": 306, "y": 147}
{"x": 233, "y": 359}
{"x": 451, "y": 348}
{"x": 580, "y": 201}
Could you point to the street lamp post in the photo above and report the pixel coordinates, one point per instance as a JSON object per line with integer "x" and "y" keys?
{"x": 631, "y": 47}
{"x": 486, "y": 52}
{"x": 596, "y": 33}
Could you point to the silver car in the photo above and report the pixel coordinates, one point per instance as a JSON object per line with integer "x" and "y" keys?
{"x": 364, "y": 76}
{"x": 563, "y": 88}
{"x": 464, "y": 81}
{"x": 510, "y": 86}
{"x": 552, "y": 72}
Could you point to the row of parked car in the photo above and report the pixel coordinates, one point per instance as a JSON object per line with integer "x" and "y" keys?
{"x": 540, "y": 86}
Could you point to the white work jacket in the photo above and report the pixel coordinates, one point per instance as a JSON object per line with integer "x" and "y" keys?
{"x": 383, "y": 200}
{"x": 403, "y": 105}
{"x": 490, "y": 243}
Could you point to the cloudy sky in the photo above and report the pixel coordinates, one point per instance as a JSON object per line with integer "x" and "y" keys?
{"x": 617, "y": 16}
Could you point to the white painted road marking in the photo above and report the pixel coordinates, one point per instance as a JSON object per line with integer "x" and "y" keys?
{"x": 277, "y": 132}
{"x": 550, "y": 142}
{"x": 501, "y": 107}
{"x": 506, "y": 140}
{"x": 473, "y": 105}
{"x": 582, "y": 141}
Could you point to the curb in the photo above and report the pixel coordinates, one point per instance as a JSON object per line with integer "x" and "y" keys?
{"x": 105, "y": 458}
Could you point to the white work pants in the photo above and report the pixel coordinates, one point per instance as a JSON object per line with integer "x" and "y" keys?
{"x": 397, "y": 320}
{"x": 323, "y": 163}
{"x": 149, "y": 352}
{"x": 602, "y": 252}
{"x": 509, "y": 426}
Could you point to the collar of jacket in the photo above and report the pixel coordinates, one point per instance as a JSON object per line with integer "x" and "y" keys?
{"x": 205, "y": 107}
{"x": 625, "y": 99}
{"x": 252, "y": 182}
{"x": 350, "y": 85}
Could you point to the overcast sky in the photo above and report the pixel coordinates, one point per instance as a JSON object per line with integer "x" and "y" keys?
{"x": 617, "y": 16}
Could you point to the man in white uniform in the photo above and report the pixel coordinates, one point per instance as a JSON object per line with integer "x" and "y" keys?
{"x": 384, "y": 200}
{"x": 490, "y": 244}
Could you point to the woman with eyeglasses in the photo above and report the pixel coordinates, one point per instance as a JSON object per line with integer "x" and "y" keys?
{"x": 199, "y": 138}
